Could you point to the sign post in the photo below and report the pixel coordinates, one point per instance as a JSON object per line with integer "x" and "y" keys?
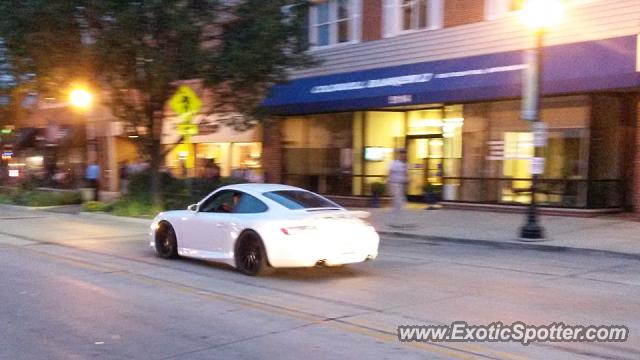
{"x": 531, "y": 92}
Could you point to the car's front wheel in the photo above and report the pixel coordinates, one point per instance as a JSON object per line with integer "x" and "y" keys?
{"x": 166, "y": 241}
{"x": 251, "y": 257}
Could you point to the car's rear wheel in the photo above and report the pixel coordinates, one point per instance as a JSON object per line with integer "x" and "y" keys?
{"x": 166, "y": 241}
{"x": 251, "y": 257}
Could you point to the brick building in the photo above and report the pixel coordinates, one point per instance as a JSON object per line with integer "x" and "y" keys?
{"x": 443, "y": 79}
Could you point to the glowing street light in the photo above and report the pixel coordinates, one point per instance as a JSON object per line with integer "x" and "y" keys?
{"x": 81, "y": 98}
{"x": 542, "y": 14}
{"x": 538, "y": 15}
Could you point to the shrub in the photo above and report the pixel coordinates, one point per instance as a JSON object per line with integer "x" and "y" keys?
{"x": 71, "y": 197}
{"x": 133, "y": 207}
{"x": 93, "y": 206}
{"x": 43, "y": 197}
{"x": 5, "y": 199}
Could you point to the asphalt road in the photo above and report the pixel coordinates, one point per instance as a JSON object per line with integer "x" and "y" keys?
{"x": 77, "y": 287}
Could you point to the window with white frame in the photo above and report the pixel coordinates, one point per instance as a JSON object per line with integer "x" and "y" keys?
{"x": 334, "y": 22}
{"x": 414, "y": 14}
{"x": 410, "y": 15}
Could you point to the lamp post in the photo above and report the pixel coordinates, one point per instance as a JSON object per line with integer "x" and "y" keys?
{"x": 538, "y": 15}
{"x": 81, "y": 99}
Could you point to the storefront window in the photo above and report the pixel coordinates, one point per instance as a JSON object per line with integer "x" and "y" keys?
{"x": 317, "y": 152}
{"x": 229, "y": 157}
{"x": 518, "y": 151}
{"x": 384, "y": 132}
{"x": 425, "y": 122}
{"x": 498, "y": 147}
{"x": 434, "y": 145}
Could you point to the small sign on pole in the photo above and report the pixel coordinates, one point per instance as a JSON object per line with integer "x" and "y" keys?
{"x": 540, "y": 134}
{"x": 187, "y": 129}
{"x": 537, "y": 165}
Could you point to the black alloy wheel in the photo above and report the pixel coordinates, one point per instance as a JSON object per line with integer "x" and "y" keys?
{"x": 251, "y": 258}
{"x": 166, "y": 242}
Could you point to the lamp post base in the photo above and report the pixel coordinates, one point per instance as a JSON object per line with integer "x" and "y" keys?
{"x": 531, "y": 232}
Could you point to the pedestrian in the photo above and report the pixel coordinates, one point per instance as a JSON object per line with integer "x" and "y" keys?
{"x": 92, "y": 176}
{"x": 254, "y": 176}
{"x": 215, "y": 172}
{"x": 124, "y": 177}
{"x": 397, "y": 180}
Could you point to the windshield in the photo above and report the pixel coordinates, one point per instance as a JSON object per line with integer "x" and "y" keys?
{"x": 297, "y": 199}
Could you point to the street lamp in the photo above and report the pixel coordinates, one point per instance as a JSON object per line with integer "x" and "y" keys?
{"x": 80, "y": 98}
{"x": 538, "y": 15}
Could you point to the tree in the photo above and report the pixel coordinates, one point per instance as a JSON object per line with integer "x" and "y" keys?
{"x": 7, "y": 83}
{"x": 138, "y": 51}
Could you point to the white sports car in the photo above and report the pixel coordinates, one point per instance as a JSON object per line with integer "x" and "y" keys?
{"x": 256, "y": 226}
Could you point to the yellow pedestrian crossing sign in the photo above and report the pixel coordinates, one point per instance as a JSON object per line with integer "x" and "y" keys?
{"x": 185, "y": 102}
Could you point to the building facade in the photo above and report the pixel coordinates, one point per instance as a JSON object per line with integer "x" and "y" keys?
{"x": 444, "y": 79}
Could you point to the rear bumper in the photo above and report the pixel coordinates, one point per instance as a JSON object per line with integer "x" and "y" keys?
{"x": 299, "y": 251}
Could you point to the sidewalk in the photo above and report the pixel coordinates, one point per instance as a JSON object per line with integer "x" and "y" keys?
{"x": 609, "y": 233}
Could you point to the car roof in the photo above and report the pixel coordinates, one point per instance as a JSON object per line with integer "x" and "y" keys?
{"x": 260, "y": 188}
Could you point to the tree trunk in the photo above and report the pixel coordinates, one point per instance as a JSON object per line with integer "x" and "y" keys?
{"x": 156, "y": 177}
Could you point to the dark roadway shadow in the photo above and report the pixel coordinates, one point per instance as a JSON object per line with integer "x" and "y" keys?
{"x": 314, "y": 274}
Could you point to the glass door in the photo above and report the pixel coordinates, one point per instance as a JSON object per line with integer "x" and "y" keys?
{"x": 424, "y": 163}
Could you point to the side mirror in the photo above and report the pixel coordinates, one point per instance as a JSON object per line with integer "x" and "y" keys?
{"x": 193, "y": 207}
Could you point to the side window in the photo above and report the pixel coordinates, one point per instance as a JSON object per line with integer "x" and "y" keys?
{"x": 220, "y": 202}
{"x": 249, "y": 205}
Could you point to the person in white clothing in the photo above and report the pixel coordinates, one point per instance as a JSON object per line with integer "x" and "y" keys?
{"x": 398, "y": 179}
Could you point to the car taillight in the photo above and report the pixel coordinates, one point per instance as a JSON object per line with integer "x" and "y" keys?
{"x": 292, "y": 230}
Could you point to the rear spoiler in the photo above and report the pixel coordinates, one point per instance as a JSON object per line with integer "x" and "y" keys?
{"x": 360, "y": 214}
{"x": 348, "y": 214}
{"x": 336, "y": 213}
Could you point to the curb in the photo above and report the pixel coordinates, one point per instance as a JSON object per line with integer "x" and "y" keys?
{"x": 23, "y": 208}
{"x": 537, "y": 246}
{"x": 96, "y": 215}
{"x": 105, "y": 216}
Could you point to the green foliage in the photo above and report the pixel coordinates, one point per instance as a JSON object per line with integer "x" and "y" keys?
{"x": 140, "y": 51}
{"x": 5, "y": 199}
{"x": 43, "y": 38}
{"x": 176, "y": 193}
{"x": 257, "y": 49}
{"x": 93, "y": 206}
{"x": 134, "y": 208}
{"x": 140, "y": 185}
{"x": 42, "y": 197}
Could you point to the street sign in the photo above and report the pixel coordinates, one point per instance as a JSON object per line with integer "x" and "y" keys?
{"x": 540, "y": 134}
{"x": 537, "y": 165}
{"x": 187, "y": 129}
{"x": 185, "y": 102}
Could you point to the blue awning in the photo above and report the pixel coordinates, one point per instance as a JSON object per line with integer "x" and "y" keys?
{"x": 572, "y": 68}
